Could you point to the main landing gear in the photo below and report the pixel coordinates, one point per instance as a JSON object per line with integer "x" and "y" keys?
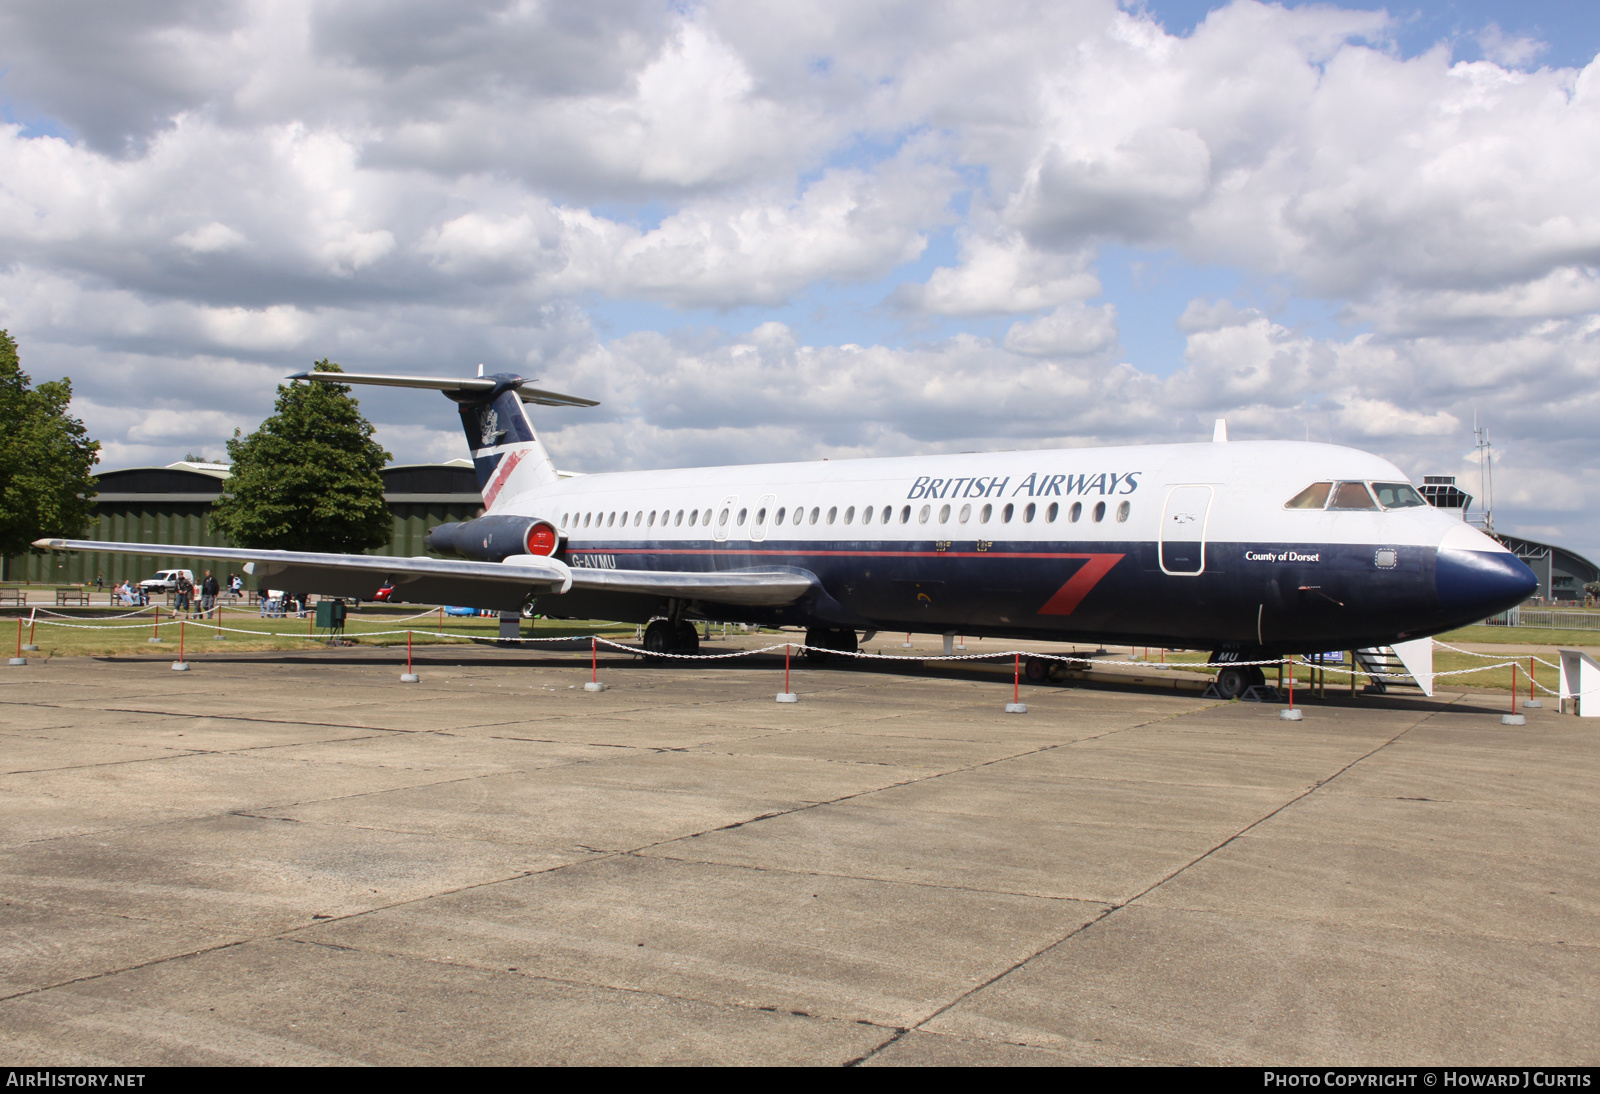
{"x": 671, "y": 636}
{"x": 842, "y": 639}
{"x": 1234, "y": 680}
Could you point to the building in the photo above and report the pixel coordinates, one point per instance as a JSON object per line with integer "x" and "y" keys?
{"x": 172, "y": 504}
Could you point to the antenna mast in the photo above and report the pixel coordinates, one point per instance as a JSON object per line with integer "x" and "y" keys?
{"x": 1485, "y": 472}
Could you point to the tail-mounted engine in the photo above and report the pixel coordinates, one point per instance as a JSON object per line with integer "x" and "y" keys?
{"x": 493, "y": 539}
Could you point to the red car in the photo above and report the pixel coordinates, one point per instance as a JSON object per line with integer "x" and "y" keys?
{"x": 383, "y": 594}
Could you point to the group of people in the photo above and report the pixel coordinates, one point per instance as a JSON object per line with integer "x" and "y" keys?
{"x": 184, "y": 593}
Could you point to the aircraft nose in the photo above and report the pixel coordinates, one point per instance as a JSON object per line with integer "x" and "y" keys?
{"x": 1475, "y": 584}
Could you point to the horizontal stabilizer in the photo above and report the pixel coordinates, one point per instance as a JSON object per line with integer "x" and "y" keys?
{"x": 474, "y": 385}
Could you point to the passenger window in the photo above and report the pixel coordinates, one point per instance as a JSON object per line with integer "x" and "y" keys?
{"x": 866, "y": 515}
{"x": 850, "y": 514}
{"x": 1314, "y": 496}
{"x": 694, "y": 514}
{"x": 651, "y": 523}
{"x": 905, "y": 514}
{"x": 564, "y": 518}
{"x": 761, "y": 516}
{"x": 815, "y": 513}
{"x": 1005, "y": 514}
{"x": 679, "y": 518}
{"x": 1051, "y": 513}
{"x": 966, "y": 514}
{"x": 1353, "y": 495}
{"x": 1122, "y": 512}
{"x": 722, "y": 519}
{"x": 739, "y": 520}
{"x": 1075, "y": 512}
{"x": 612, "y": 522}
{"x": 944, "y": 514}
{"x": 1027, "y": 513}
{"x": 984, "y": 513}
{"x": 781, "y": 514}
{"x": 1099, "y": 511}
{"x": 924, "y": 513}
{"x": 833, "y": 513}
{"x": 638, "y": 518}
{"x": 1397, "y": 495}
{"x": 586, "y": 517}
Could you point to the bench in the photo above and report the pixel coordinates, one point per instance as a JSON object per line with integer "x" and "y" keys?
{"x": 14, "y": 596}
{"x": 78, "y": 596}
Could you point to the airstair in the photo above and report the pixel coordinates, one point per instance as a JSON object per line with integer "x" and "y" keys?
{"x": 1385, "y": 669}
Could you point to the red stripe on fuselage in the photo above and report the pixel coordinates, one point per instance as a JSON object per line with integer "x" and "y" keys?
{"x": 1070, "y": 595}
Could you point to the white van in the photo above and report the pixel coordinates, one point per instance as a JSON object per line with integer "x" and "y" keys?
{"x": 165, "y": 581}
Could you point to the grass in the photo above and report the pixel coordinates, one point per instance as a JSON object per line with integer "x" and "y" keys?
{"x": 245, "y": 631}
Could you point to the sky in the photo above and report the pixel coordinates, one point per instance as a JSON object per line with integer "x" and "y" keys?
{"x": 766, "y": 231}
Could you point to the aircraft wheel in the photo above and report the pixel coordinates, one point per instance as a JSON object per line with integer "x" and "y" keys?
{"x": 844, "y": 640}
{"x": 818, "y": 638}
{"x": 1258, "y": 676}
{"x": 1231, "y": 682}
{"x": 687, "y": 638}
{"x": 658, "y": 637}
{"x": 1036, "y": 669}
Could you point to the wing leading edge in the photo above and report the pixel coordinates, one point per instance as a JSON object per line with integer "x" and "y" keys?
{"x": 501, "y": 586}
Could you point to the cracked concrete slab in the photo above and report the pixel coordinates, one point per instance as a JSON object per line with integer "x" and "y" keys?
{"x": 293, "y": 859}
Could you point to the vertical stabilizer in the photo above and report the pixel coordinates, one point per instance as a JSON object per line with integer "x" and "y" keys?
{"x": 505, "y": 450}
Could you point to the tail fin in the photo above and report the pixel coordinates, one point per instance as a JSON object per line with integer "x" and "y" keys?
{"x": 505, "y": 450}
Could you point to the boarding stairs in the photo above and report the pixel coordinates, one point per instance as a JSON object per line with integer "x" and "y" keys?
{"x": 1378, "y": 660}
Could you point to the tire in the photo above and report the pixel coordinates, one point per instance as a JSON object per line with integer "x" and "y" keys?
{"x": 686, "y": 638}
{"x": 1231, "y": 682}
{"x": 814, "y": 638}
{"x": 1036, "y": 669}
{"x": 658, "y": 638}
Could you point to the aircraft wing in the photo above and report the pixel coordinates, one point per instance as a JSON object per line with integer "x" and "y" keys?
{"x": 503, "y": 586}
{"x": 497, "y": 585}
{"x": 748, "y": 588}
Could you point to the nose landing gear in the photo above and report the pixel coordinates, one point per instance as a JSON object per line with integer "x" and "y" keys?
{"x": 671, "y": 636}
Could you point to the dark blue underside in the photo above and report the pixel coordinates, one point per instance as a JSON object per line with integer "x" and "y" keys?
{"x": 1269, "y": 596}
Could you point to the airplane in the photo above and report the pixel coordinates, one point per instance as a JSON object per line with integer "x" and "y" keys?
{"x": 1252, "y": 550}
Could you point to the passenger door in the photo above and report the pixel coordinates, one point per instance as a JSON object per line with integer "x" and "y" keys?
{"x": 1183, "y": 530}
{"x": 723, "y": 518}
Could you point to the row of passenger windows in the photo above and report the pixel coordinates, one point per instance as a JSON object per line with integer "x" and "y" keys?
{"x": 1357, "y": 495}
{"x": 985, "y": 513}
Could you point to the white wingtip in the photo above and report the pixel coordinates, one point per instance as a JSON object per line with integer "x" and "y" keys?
{"x": 480, "y": 369}
{"x": 1219, "y": 432}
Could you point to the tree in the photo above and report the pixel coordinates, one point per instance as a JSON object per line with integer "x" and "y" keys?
{"x": 45, "y": 458}
{"x": 307, "y": 480}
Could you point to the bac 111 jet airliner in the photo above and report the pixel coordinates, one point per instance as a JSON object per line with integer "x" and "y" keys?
{"x": 1249, "y": 549}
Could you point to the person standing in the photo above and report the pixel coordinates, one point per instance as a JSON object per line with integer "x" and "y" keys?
{"x": 184, "y": 588}
{"x": 208, "y": 595}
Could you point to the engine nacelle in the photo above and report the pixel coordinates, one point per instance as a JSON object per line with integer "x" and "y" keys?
{"x": 493, "y": 539}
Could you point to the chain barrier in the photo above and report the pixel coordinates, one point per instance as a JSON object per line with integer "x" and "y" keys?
{"x": 801, "y": 647}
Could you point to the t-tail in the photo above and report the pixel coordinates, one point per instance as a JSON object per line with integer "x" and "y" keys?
{"x": 505, "y": 449}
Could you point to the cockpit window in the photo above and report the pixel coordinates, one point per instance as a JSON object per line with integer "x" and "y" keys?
{"x": 1353, "y": 495}
{"x": 1397, "y": 495}
{"x": 1314, "y": 496}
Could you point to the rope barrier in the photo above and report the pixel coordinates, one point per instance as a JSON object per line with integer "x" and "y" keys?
{"x": 800, "y": 647}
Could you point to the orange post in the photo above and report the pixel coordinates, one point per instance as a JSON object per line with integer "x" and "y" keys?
{"x": 155, "y": 631}
{"x": 1016, "y": 678}
{"x": 408, "y": 653}
{"x": 441, "y": 618}
{"x": 786, "y": 668}
{"x": 1291, "y": 683}
{"x": 33, "y": 621}
{"x": 180, "y": 642}
{"x": 1531, "y": 695}
{"x": 594, "y": 661}
{"x": 19, "y": 636}
{"x": 1513, "y": 687}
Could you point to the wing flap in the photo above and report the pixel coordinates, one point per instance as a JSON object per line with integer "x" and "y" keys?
{"x": 747, "y": 588}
